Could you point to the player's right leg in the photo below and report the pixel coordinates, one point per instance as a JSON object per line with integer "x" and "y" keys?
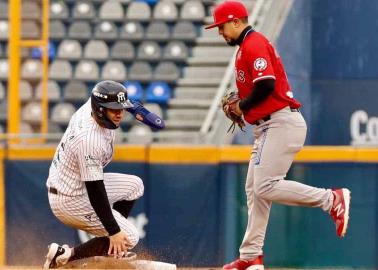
{"x": 251, "y": 253}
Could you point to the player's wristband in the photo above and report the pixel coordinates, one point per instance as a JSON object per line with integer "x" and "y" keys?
{"x": 145, "y": 116}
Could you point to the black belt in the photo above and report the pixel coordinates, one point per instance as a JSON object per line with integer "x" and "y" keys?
{"x": 53, "y": 190}
{"x": 267, "y": 118}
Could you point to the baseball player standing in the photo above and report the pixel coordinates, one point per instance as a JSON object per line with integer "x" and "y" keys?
{"x": 80, "y": 194}
{"x": 267, "y": 102}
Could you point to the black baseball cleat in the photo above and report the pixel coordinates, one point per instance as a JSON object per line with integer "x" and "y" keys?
{"x": 57, "y": 256}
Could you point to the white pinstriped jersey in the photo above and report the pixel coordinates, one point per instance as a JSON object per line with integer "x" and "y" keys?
{"x": 85, "y": 149}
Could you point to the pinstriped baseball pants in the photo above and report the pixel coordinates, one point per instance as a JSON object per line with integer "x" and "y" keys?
{"x": 276, "y": 143}
{"x": 77, "y": 211}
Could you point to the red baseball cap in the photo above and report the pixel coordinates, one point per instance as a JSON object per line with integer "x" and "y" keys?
{"x": 227, "y": 11}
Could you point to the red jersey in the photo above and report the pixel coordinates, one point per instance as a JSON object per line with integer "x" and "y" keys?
{"x": 258, "y": 60}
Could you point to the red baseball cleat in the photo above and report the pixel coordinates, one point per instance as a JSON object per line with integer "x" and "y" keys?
{"x": 256, "y": 264}
{"x": 340, "y": 210}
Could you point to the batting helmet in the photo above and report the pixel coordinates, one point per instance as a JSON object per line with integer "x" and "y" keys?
{"x": 111, "y": 95}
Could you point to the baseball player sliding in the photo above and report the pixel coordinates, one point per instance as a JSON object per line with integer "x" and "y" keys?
{"x": 80, "y": 194}
{"x": 265, "y": 100}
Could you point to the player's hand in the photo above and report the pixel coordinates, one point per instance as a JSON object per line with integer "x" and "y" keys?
{"x": 118, "y": 244}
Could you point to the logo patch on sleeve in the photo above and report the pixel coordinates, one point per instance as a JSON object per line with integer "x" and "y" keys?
{"x": 260, "y": 64}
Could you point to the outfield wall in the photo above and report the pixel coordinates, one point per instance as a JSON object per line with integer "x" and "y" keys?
{"x": 193, "y": 211}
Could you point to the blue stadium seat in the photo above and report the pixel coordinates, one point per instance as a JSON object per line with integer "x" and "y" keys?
{"x": 158, "y": 92}
{"x": 37, "y": 52}
{"x": 134, "y": 90}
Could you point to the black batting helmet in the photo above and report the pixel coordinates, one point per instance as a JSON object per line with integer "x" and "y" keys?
{"x": 111, "y": 95}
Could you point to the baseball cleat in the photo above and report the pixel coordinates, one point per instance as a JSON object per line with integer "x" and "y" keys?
{"x": 57, "y": 256}
{"x": 239, "y": 264}
{"x": 340, "y": 210}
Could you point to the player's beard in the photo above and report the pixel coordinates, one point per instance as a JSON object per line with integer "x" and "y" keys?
{"x": 232, "y": 43}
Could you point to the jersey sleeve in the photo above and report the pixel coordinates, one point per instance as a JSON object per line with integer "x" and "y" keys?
{"x": 89, "y": 161}
{"x": 260, "y": 61}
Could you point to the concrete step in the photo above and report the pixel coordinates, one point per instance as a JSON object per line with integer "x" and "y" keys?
{"x": 199, "y": 92}
{"x": 214, "y": 72}
{"x": 203, "y": 82}
{"x": 204, "y": 61}
{"x": 186, "y": 114}
{"x": 193, "y": 125}
{"x": 189, "y": 103}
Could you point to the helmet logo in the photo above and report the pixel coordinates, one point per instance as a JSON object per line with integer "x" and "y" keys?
{"x": 121, "y": 97}
{"x": 98, "y": 94}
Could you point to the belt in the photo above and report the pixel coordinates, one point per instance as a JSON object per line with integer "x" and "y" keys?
{"x": 53, "y": 190}
{"x": 268, "y": 117}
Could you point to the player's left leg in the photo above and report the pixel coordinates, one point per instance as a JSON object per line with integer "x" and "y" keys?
{"x": 123, "y": 187}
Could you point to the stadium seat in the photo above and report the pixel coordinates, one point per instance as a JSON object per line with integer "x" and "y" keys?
{"x": 149, "y": 51}
{"x": 60, "y": 70}
{"x": 30, "y": 30}
{"x": 132, "y": 31}
{"x": 154, "y": 108}
{"x": 3, "y": 110}
{"x": 166, "y": 71}
{"x": 87, "y": 70}
{"x": 83, "y": 10}
{"x": 62, "y": 112}
{"x": 3, "y": 10}
{"x": 58, "y": 10}
{"x": 193, "y": 10}
{"x": 80, "y": 30}
{"x": 26, "y": 91}
{"x": 176, "y": 51}
{"x": 31, "y": 10}
{"x": 53, "y": 91}
{"x": 138, "y": 11}
{"x": 96, "y": 49}
{"x": 165, "y": 11}
{"x": 139, "y": 134}
{"x": 134, "y": 90}
{"x": 75, "y": 91}
{"x": 106, "y": 30}
{"x": 113, "y": 70}
{"x": 184, "y": 30}
{"x": 122, "y": 50}
{"x": 158, "y": 92}
{"x": 37, "y": 52}
{"x": 140, "y": 71}
{"x": 57, "y": 30}
{"x": 111, "y": 10}
{"x": 2, "y": 92}
{"x": 70, "y": 49}
{"x": 31, "y": 69}
{"x": 4, "y": 30}
{"x": 4, "y": 67}
{"x": 54, "y": 128}
{"x": 32, "y": 113}
{"x": 26, "y": 128}
{"x": 158, "y": 31}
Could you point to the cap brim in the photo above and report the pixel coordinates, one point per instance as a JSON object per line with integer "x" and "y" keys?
{"x": 215, "y": 24}
{"x": 118, "y": 106}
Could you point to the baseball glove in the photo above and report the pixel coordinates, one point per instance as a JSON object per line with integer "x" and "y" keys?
{"x": 229, "y": 103}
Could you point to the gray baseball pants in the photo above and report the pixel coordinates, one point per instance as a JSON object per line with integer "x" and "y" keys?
{"x": 276, "y": 143}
